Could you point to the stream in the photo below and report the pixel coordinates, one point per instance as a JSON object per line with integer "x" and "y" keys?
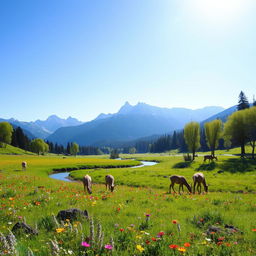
{"x": 64, "y": 176}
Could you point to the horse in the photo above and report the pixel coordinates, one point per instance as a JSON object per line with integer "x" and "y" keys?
{"x": 210, "y": 158}
{"x": 87, "y": 181}
{"x": 110, "y": 182}
{"x": 199, "y": 179}
{"x": 179, "y": 180}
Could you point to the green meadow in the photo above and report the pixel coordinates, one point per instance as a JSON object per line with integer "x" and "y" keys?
{"x": 140, "y": 217}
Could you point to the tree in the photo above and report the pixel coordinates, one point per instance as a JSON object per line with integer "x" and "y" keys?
{"x": 250, "y": 117}
{"x": 213, "y": 132}
{"x": 236, "y": 129}
{"x": 114, "y": 154}
{"x": 192, "y": 136}
{"x": 254, "y": 101}
{"x": 39, "y": 146}
{"x": 6, "y": 131}
{"x": 132, "y": 150}
{"x": 74, "y": 148}
{"x": 243, "y": 101}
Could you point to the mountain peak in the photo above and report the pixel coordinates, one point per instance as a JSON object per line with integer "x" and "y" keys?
{"x": 126, "y": 108}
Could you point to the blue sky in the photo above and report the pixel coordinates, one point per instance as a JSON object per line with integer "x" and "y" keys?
{"x": 83, "y": 57}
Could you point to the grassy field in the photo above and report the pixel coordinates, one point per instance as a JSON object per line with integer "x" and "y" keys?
{"x": 139, "y": 219}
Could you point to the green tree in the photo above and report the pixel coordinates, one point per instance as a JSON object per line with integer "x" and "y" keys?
{"x": 132, "y": 150}
{"x": 5, "y": 133}
{"x": 254, "y": 101}
{"x": 250, "y": 119}
{"x": 39, "y": 146}
{"x": 243, "y": 101}
{"x": 74, "y": 148}
{"x": 213, "y": 132}
{"x": 236, "y": 129}
{"x": 114, "y": 154}
{"x": 192, "y": 137}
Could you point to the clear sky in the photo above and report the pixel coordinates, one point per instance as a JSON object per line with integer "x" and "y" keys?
{"x": 83, "y": 57}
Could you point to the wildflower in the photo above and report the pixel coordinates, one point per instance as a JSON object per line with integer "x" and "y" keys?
{"x": 59, "y": 230}
{"x": 108, "y": 247}
{"x": 160, "y": 234}
{"x": 121, "y": 229}
{"x": 228, "y": 244}
{"x": 140, "y": 248}
{"x": 181, "y": 249}
{"x": 187, "y": 244}
{"x": 254, "y": 229}
{"x": 138, "y": 237}
{"x": 173, "y": 246}
{"x": 174, "y": 221}
{"x": 11, "y": 198}
{"x": 153, "y": 239}
{"x": 85, "y": 244}
{"x": 148, "y": 215}
{"x": 219, "y": 243}
{"x": 147, "y": 242}
{"x": 221, "y": 238}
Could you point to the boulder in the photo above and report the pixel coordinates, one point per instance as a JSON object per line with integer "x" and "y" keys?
{"x": 21, "y": 227}
{"x": 71, "y": 214}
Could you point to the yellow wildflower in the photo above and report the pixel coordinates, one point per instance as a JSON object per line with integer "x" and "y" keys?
{"x": 59, "y": 230}
{"x": 140, "y": 248}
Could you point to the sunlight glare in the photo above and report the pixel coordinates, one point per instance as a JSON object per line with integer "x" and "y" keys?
{"x": 221, "y": 12}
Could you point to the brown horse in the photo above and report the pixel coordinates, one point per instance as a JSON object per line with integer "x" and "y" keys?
{"x": 179, "y": 180}
{"x": 210, "y": 157}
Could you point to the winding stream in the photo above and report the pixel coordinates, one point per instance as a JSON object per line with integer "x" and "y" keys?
{"x": 64, "y": 176}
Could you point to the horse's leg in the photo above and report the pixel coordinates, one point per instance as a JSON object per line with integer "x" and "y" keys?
{"x": 194, "y": 188}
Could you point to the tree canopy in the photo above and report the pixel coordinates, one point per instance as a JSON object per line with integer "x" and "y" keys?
{"x": 6, "y": 130}
{"x": 243, "y": 101}
{"x": 192, "y": 136}
{"x": 39, "y": 146}
{"x": 213, "y": 132}
{"x": 74, "y": 148}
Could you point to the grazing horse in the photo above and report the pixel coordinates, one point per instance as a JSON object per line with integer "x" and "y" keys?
{"x": 199, "y": 179}
{"x": 179, "y": 180}
{"x": 210, "y": 157}
{"x": 24, "y": 165}
{"x": 110, "y": 182}
{"x": 87, "y": 181}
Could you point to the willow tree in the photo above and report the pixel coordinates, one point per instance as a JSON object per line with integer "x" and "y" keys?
{"x": 250, "y": 116}
{"x": 39, "y": 146}
{"x": 5, "y": 133}
{"x": 236, "y": 129}
{"x": 192, "y": 137}
{"x": 74, "y": 148}
{"x": 213, "y": 132}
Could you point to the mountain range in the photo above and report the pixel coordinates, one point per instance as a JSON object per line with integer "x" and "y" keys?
{"x": 42, "y": 129}
{"x": 128, "y": 124}
{"x": 131, "y": 123}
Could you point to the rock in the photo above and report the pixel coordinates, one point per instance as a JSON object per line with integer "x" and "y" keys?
{"x": 71, "y": 214}
{"x": 21, "y": 227}
{"x": 231, "y": 229}
{"x": 213, "y": 229}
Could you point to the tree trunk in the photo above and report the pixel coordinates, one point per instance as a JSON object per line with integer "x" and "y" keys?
{"x": 253, "y": 148}
{"x": 242, "y": 150}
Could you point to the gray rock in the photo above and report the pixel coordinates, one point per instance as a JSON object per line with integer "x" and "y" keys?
{"x": 71, "y": 214}
{"x": 21, "y": 227}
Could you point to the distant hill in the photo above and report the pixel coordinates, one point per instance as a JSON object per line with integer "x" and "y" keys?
{"x": 42, "y": 129}
{"x": 223, "y": 115}
{"x": 131, "y": 123}
{"x": 10, "y": 150}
